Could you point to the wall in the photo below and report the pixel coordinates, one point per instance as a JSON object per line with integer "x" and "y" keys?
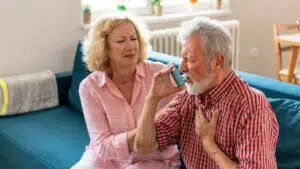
{"x": 37, "y": 35}
{"x": 257, "y": 18}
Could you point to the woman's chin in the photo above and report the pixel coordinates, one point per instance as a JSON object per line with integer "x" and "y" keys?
{"x": 130, "y": 62}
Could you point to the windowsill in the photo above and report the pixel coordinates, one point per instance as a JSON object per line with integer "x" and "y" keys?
{"x": 182, "y": 16}
{"x": 151, "y": 19}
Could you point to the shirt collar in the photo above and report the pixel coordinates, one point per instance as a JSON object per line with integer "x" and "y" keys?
{"x": 215, "y": 94}
{"x": 140, "y": 71}
{"x": 102, "y": 78}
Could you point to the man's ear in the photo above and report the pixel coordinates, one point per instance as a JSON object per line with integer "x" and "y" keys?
{"x": 217, "y": 62}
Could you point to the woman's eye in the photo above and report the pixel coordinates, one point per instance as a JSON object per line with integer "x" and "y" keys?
{"x": 120, "y": 41}
{"x": 133, "y": 38}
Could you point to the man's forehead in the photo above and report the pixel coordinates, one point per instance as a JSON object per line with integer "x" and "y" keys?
{"x": 192, "y": 42}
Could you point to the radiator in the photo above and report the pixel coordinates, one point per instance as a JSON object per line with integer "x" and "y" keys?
{"x": 165, "y": 41}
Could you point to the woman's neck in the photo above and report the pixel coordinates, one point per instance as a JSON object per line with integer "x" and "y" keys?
{"x": 123, "y": 77}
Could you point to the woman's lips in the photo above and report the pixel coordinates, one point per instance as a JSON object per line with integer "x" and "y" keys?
{"x": 129, "y": 56}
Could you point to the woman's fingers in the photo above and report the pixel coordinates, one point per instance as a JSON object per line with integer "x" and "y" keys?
{"x": 173, "y": 102}
{"x": 171, "y": 109}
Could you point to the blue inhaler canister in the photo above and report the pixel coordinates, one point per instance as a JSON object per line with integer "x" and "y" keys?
{"x": 179, "y": 79}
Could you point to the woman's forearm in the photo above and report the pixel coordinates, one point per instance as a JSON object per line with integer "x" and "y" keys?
{"x": 130, "y": 139}
{"x": 111, "y": 147}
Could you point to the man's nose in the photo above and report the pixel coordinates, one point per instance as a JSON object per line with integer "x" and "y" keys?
{"x": 183, "y": 66}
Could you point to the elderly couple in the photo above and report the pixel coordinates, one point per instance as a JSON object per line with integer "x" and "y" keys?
{"x": 136, "y": 116}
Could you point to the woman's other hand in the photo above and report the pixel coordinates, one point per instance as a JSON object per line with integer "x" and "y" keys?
{"x": 170, "y": 107}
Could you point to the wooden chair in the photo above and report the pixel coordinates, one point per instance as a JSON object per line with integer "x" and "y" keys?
{"x": 292, "y": 73}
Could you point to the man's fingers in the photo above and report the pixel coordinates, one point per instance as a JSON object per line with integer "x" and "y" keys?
{"x": 165, "y": 70}
{"x": 215, "y": 116}
{"x": 168, "y": 69}
{"x": 197, "y": 125}
{"x": 180, "y": 88}
{"x": 201, "y": 115}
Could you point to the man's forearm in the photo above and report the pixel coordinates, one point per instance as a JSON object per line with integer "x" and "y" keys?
{"x": 145, "y": 140}
{"x": 222, "y": 160}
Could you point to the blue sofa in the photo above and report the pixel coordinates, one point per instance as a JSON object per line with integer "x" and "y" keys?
{"x": 55, "y": 138}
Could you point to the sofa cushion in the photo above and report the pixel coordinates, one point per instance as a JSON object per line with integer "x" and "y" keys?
{"x": 54, "y": 139}
{"x": 288, "y": 147}
{"x": 79, "y": 73}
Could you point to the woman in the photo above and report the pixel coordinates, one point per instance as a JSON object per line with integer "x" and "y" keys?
{"x": 113, "y": 95}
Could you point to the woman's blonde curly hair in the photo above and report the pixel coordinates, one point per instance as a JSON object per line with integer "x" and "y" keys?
{"x": 95, "y": 47}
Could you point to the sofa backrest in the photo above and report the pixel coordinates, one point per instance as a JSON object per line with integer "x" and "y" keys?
{"x": 78, "y": 74}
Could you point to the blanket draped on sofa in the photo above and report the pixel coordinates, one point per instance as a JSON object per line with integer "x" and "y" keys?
{"x": 28, "y": 92}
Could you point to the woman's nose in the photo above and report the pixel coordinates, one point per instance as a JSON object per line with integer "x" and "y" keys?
{"x": 130, "y": 44}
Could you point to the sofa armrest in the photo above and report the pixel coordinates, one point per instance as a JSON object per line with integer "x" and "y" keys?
{"x": 63, "y": 81}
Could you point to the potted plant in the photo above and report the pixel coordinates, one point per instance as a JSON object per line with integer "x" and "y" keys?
{"x": 191, "y": 5}
{"x": 157, "y": 8}
{"x": 218, "y": 4}
{"x": 121, "y": 6}
{"x": 87, "y": 14}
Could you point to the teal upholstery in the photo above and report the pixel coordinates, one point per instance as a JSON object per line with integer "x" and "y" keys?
{"x": 53, "y": 138}
{"x": 288, "y": 146}
{"x": 271, "y": 87}
{"x": 79, "y": 73}
{"x": 163, "y": 58}
{"x": 63, "y": 81}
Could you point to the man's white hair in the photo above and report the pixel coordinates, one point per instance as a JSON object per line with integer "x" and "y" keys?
{"x": 215, "y": 37}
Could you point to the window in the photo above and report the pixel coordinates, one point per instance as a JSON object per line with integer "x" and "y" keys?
{"x": 111, "y": 4}
{"x": 143, "y": 7}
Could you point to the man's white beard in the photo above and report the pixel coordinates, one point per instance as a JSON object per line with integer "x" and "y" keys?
{"x": 198, "y": 87}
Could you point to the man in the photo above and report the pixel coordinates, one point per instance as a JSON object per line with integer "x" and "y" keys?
{"x": 219, "y": 122}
